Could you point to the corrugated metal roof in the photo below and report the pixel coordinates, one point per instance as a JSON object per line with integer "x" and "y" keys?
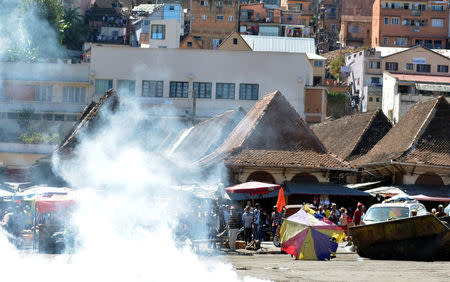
{"x": 148, "y": 8}
{"x": 386, "y": 51}
{"x": 280, "y": 44}
{"x": 433, "y": 87}
{"x": 312, "y": 56}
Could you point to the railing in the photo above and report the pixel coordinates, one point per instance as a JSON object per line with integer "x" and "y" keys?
{"x": 417, "y": 13}
{"x": 375, "y": 89}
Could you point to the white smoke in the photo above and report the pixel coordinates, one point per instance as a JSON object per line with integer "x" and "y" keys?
{"x": 127, "y": 229}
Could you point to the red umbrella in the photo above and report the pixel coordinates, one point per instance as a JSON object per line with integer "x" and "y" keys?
{"x": 253, "y": 188}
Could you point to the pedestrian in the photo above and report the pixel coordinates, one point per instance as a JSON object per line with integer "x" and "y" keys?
{"x": 343, "y": 220}
{"x": 234, "y": 224}
{"x": 276, "y": 220}
{"x": 321, "y": 212}
{"x": 357, "y": 215}
{"x": 226, "y": 213}
{"x": 441, "y": 212}
{"x": 334, "y": 214}
{"x": 257, "y": 222}
{"x": 327, "y": 211}
{"x": 433, "y": 211}
{"x": 247, "y": 221}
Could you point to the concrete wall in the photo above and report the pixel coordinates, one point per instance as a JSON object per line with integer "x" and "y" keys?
{"x": 389, "y": 103}
{"x": 172, "y": 34}
{"x": 281, "y": 175}
{"x": 286, "y": 72}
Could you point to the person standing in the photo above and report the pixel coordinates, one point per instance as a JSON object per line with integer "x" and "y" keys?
{"x": 343, "y": 220}
{"x": 357, "y": 215}
{"x": 247, "y": 220}
{"x": 334, "y": 214}
{"x": 441, "y": 212}
{"x": 257, "y": 222}
{"x": 234, "y": 224}
{"x": 276, "y": 220}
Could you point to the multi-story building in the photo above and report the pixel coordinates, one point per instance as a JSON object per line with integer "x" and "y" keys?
{"x": 296, "y": 17}
{"x": 158, "y": 25}
{"x": 108, "y": 23}
{"x": 356, "y": 22}
{"x": 409, "y": 23}
{"x": 213, "y": 20}
{"x": 167, "y": 78}
{"x": 53, "y": 95}
{"x": 410, "y": 76}
{"x": 365, "y": 78}
{"x": 257, "y": 19}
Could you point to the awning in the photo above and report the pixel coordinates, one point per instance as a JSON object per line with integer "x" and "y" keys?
{"x": 425, "y": 191}
{"x": 433, "y": 87}
{"x": 291, "y": 188}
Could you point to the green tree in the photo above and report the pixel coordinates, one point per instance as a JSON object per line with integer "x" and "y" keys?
{"x": 75, "y": 31}
{"x": 335, "y": 66}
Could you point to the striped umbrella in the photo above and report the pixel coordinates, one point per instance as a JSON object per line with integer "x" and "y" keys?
{"x": 306, "y": 237}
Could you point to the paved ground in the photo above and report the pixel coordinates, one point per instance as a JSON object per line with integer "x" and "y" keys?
{"x": 347, "y": 266}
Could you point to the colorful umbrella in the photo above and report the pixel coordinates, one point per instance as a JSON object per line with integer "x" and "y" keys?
{"x": 306, "y": 237}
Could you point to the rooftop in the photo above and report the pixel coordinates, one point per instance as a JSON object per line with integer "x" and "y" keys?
{"x": 352, "y": 136}
{"x": 273, "y": 134}
{"x": 422, "y": 78}
{"x": 280, "y": 44}
{"x": 422, "y": 136}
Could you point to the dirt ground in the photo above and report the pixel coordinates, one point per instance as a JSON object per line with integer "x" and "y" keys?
{"x": 345, "y": 267}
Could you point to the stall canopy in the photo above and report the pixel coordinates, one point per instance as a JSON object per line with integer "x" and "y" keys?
{"x": 54, "y": 203}
{"x": 291, "y": 188}
{"x": 253, "y": 188}
{"x": 420, "y": 193}
{"x": 41, "y": 191}
{"x": 5, "y": 194}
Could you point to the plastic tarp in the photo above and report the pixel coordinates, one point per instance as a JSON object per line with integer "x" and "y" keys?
{"x": 5, "y": 194}
{"x": 253, "y": 188}
{"x": 54, "y": 203}
{"x": 411, "y": 190}
{"x": 41, "y": 191}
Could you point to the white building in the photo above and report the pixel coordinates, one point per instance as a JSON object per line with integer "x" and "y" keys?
{"x": 158, "y": 25}
{"x": 54, "y": 93}
{"x": 164, "y": 79}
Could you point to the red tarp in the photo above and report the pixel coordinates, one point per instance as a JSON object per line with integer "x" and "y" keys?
{"x": 55, "y": 203}
{"x": 253, "y": 188}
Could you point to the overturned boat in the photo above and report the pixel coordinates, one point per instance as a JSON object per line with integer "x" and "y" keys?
{"x": 423, "y": 237}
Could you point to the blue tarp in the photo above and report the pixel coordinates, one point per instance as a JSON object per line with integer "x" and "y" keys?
{"x": 291, "y": 188}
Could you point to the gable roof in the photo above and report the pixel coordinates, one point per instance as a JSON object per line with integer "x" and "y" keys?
{"x": 273, "y": 134}
{"x": 230, "y": 37}
{"x": 280, "y": 44}
{"x": 422, "y": 136}
{"x": 352, "y": 136}
{"x": 88, "y": 120}
{"x": 202, "y": 139}
{"x": 195, "y": 43}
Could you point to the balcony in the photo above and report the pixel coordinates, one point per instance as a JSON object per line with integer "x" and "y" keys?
{"x": 375, "y": 90}
{"x": 416, "y": 13}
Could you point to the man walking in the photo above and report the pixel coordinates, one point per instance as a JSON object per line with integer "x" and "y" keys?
{"x": 357, "y": 215}
{"x": 257, "y": 222}
{"x": 233, "y": 225}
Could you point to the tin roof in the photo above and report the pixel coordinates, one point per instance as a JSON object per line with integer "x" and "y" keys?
{"x": 280, "y": 44}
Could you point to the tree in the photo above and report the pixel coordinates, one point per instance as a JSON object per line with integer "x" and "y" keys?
{"x": 24, "y": 120}
{"x": 335, "y": 66}
{"x": 75, "y": 31}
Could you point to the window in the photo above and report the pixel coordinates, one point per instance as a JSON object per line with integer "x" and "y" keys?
{"x": 204, "y": 3}
{"x": 202, "y": 89}
{"x": 43, "y": 93}
{"x": 400, "y": 41}
{"x": 377, "y": 99}
{"x": 74, "y": 95}
{"x": 172, "y": 8}
{"x": 203, "y": 17}
{"x": 437, "y": 8}
{"x": 189, "y": 44}
{"x": 353, "y": 28}
{"x": 216, "y": 42}
{"x": 395, "y": 21}
{"x": 370, "y": 99}
{"x": 47, "y": 116}
{"x": 126, "y": 87}
{"x": 12, "y": 115}
{"x": 437, "y": 22}
{"x": 374, "y": 65}
{"x": 59, "y": 117}
{"x": 437, "y": 44}
{"x": 375, "y": 81}
{"x": 71, "y": 117}
{"x": 230, "y": 18}
{"x": 248, "y": 91}
{"x": 220, "y": 4}
{"x": 219, "y": 17}
{"x": 409, "y": 66}
{"x": 442, "y": 68}
{"x": 385, "y": 41}
{"x": 36, "y": 117}
{"x": 179, "y": 89}
{"x": 406, "y": 6}
{"x": 158, "y": 31}
{"x": 391, "y": 66}
{"x": 152, "y": 88}
{"x": 102, "y": 85}
{"x": 289, "y": 17}
{"x": 146, "y": 22}
{"x": 386, "y": 21}
{"x": 235, "y": 41}
{"x": 318, "y": 64}
{"x": 225, "y": 91}
{"x": 423, "y": 68}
